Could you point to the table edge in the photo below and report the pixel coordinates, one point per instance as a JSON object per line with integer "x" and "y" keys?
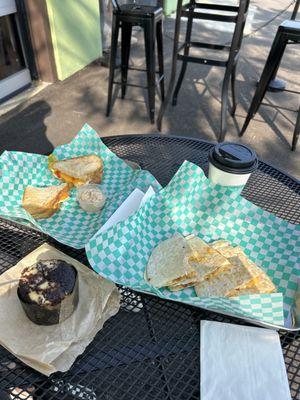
{"x": 162, "y": 136}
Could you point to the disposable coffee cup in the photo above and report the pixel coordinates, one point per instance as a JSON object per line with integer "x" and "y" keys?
{"x": 231, "y": 164}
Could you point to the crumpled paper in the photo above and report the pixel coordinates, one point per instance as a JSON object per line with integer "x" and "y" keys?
{"x": 54, "y": 348}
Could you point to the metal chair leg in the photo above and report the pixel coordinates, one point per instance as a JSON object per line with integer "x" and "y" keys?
{"x": 233, "y": 76}
{"x": 113, "y": 53}
{"x": 160, "y": 56}
{"x": 125, "y": 52}
{"x": 296, "y": 9}
{"x": 149, "y": 34}
{"x": 277, "y": 85}
{"x": 296, "y": 132}
{"x": 271, "y": 66}
{"x": 224, "y": 105}
{"x": 231, "y": 65}
{"x": 184, "y": 63}
{"x": 164, "y": 104}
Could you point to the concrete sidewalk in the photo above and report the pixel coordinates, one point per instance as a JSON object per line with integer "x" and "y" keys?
{"x": 53, "y": 116}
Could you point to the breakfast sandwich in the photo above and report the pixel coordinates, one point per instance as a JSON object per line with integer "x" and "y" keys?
{"x": 78, "y": 170}
{"x": 43, "y": 202}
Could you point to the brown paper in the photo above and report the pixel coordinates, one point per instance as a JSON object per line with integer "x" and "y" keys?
{"x": 54, "y": 348}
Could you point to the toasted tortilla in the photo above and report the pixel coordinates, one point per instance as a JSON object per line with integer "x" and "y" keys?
{"x": 262, "y": 286}
{"x": 205, "y": 260}
{"x": 183, "y": 278}
{"x": 225, "y": 281}
{"x": 255, "y": 280}
{"x": 219, "y": 244}
{"x": 263, "y": 283}
{"x": 184, "y": 283}
{"x": 169, "y": 263}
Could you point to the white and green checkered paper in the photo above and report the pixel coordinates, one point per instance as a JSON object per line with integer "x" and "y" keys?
{"x": 71, "y": 225}
{"x": 192, "y": 204}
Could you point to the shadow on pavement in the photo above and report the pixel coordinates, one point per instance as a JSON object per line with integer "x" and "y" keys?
{"x": 27, "y": 130}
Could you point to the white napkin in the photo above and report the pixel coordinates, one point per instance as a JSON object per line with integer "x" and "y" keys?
{"x": 241, "y": 363}
{"x": 132, "y": 203}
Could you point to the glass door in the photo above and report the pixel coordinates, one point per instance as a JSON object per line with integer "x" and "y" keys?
{"x": 14, "y": 74}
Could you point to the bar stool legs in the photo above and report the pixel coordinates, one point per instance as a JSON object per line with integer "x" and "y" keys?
{"x": 233, "y": 76}
{"x": 125, "y": 17}
{"x": 164, "y": 103}
{"x": 125, "y": 52}
{"x": 288, "y": 32}
{"x": 224, "y": 104}
{"x": 184, "y": 63}
{"x": 270, "y": 68}
{"x": 296, "y": 132}
{"x": 113, "y": 54}
{"x": 149, "y": 34}
{"x": 160, "y": 52}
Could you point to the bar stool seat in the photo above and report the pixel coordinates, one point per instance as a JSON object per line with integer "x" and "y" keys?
{"x": 288, "y": 33}
{"x": 150, "y": 18}
{"x": 138, "y": 10}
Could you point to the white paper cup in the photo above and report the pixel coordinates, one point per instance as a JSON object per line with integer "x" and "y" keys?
{"x": 231, "y": 164}
{"x": 220, "y": 177}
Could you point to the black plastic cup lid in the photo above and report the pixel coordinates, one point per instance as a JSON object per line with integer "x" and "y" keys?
{"x": 234, "y": 158}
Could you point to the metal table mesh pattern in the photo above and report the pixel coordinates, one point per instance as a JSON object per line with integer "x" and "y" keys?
{"x": 150, "y": 349}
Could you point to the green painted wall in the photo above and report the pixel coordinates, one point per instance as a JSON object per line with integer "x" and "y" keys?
{"x": 171, "y": 5}
{"x": 76, "y": 34}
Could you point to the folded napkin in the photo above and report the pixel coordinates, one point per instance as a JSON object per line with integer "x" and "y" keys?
{"x": 241, "y": 362}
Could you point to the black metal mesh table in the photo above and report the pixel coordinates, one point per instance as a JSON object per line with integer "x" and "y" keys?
{"x": 150, "y": 349}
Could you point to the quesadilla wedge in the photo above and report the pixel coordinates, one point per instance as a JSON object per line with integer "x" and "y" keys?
{"x": 223, "y": 282}
{"x": 245, "y": 278}
{"x": 184, "y": 283}
{"x": 205, "y": 260}
{"x": 262, "y": 284}
{"x": 168, "y": 264}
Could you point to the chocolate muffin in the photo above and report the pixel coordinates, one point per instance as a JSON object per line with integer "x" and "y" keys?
{"x": 48, "y": 291}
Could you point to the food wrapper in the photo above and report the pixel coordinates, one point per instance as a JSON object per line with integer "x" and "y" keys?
{"x": 54, "y": 348}
{"x": 71, "y": 225}
{"x": 191, "y": 204}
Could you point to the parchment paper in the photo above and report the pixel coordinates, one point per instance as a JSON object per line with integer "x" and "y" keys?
{"x": 54, "y": 348}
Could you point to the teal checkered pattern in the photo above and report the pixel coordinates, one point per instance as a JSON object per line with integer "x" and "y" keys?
{"x": 71, "y": 225}
{"x": 191, "y": 204}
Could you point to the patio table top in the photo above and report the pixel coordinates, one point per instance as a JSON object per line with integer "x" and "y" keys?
{"x": 150, "y": 349}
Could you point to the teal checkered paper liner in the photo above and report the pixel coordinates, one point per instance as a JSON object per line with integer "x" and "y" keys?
{"x": 192, "y": 204}
{"x": 71, "y": 225}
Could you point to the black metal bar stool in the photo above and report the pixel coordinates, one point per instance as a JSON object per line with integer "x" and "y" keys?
{"x": 277, "y": 85}
{"x": 288, "y": 33}
{"x": 296, "y": 9}
{"x": 150, "y": 19}
{"x": 214, "y": 12}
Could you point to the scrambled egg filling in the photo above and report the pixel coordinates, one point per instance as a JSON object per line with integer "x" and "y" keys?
{"x": 60, "y": 175}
